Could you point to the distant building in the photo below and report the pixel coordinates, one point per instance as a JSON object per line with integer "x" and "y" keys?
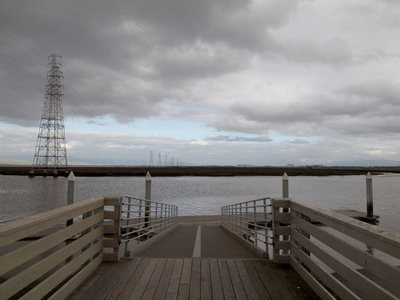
{"x": 290, "y": 165}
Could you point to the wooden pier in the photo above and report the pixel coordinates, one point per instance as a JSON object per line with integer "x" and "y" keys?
{"x": 204, "y": 257}
{"x": 183, "y": 265}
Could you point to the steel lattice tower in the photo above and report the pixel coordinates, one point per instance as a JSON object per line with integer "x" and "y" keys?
{"x": 51, "y": 152}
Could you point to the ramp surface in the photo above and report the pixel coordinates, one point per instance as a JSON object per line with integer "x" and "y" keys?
{"x": 198, "y": 241}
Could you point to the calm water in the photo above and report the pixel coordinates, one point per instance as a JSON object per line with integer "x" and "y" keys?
{"x": 21, "y": 196}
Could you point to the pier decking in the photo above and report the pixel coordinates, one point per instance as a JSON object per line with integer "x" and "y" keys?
{"x": 195, "y": 262}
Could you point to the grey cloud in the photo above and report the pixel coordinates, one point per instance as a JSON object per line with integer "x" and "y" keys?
{"x": 227, "y": 138}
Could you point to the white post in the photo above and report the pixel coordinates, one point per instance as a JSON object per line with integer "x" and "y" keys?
{"x": 370, "y": 204}
{"x": 70, "y": 193}
{"x": 285, "y": 194}
{"x": 285, "y": 186}
{"x": 147, "y": 197}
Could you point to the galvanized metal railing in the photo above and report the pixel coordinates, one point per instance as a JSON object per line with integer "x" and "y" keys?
{"x": 251, "y": 221}
{"x": 143, "y": 219}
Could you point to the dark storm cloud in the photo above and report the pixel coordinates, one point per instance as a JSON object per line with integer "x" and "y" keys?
{"x": 138, "y": 59}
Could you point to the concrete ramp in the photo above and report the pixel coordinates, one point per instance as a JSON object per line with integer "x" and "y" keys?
{"x": 198, "y": 241}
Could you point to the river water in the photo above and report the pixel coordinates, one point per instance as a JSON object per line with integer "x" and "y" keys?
{"x": 22, "y": 196}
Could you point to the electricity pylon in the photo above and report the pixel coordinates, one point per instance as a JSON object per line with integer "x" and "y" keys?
{"x": 51, "y": 152}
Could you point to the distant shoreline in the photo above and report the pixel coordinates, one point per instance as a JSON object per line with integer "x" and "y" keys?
{"x": 101, "y": 171}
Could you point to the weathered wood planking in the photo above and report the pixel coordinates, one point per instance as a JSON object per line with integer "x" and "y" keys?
{"x": 195, "y": 278}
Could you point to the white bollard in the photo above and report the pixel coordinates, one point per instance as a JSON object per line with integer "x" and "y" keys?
{"x": 370, "y": 203}
{"x": 147, "y": 197}
{"x": 285, "y": 186}
{"x": 148, "y": 187}
{"x": 70, "y": 193}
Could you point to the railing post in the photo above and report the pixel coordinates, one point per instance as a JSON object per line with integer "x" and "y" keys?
{"x": 370, "y": 204}
{"x": 285, "y": 194}
{"x": 278, "y": 230}
{"x": 285, "y": 186}
{"x": 70, "y": 193}
{"x": 112, "y": 228}
{"x": 147, "y": 197}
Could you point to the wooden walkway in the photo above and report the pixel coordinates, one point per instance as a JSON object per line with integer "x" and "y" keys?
{"x": 195, "y": 262}
{"x": 194, "y": 278}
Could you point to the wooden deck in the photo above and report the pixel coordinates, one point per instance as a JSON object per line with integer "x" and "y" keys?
{"x": 195, "y": 262}
{"x": 194, "y": 278}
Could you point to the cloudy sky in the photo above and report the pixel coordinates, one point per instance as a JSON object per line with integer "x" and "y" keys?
{"x": 205, "y": 82}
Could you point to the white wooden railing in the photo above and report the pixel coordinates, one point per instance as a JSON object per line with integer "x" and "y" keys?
{"x": 338, "y": 256}
{"x": 41, "y": 257}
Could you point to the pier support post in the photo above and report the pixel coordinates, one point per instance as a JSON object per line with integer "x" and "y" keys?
{"x": 285, "y": 186}
{"x": 70, "y": 193}
{"x": 285, "y": 194}
{"x": 147, "y": 197}
{"x": 370, "y": 204}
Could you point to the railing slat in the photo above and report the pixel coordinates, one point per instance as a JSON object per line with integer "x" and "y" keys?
{"x": 24, "y": 278}
{"x": 371, "y": 289}
{"x": 18, "y": 229}
{"x": 77, "y": 280}
{"x": 365, "y": 260}
{"x": 56, "y": 278}
{"x": 21, "y": 255}
{"x": 374, "y": 236}
{"x": 340, "y": 289}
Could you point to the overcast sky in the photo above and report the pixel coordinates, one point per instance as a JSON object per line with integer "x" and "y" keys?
{"x": 205, "y": 82}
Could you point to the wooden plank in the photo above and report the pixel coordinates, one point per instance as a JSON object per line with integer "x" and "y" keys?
{"x": 56, "y": 278}
{"x": 312, "y": 282}
{"x": 144, "y": 280}
{"x": 111, "y": 229}
{"x": 195, "y": 285}
{"x": 173, "y": 287}
{"x": 89, "y": 282}
{"x": 164, "y": 280}
{"x": 154, "y": 280}
{"x": 269, "y": 268}
{"x": 294, "y": 283}
{"x": 21, "y": 255}
{"x": 27, "y": 276}
{"x": 113, "y": 215}
{"x": 225, "y": 279}
{"x": 374, "y": 236}
{"x": 323, "y": 275}
{"x": 77, "y": 280}
{"x": 112, "y": 201}
{"x": 110, "y": 243}
{"x": 270, "y": 287}
{"x": 256, "y": 280}
{"x": 134, "y": 279}
{"x": 126, "y": 275}
{"x": 216, "y": 284}
{"x": 205, "y": 279}
{"x": 104, "y": 285}
{"x": 184, "y": 284}
{"x": 362, "y": 258}
{"x": 237, "y": 284}
{"x": 247, "y": 283}
{"x": 18, "y": 229}
{"x": 363, "y": 283}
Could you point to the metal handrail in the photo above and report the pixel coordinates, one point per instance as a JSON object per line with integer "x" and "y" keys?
{"x": 250, "y": 220}
{"x": 142, "y": 219}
